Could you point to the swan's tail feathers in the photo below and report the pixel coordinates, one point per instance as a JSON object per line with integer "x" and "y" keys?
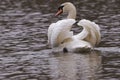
{"x": 59, "y": 31}
{"x": 90, "y": 33}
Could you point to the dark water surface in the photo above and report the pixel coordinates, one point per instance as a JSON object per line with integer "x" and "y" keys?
{"x": 24, "y": 54}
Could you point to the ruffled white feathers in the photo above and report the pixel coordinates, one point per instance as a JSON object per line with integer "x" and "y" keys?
{"x": 59, "y": 31}
{"x": 90, "y": 33}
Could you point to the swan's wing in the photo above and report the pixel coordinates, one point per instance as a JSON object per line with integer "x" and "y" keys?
{"x": 96, "y": 30}
{"x": 50, "y": 30}
{"x": 82, "y": 35}
{"x": 90, "y": 33}
{"x": 59, "y": 31}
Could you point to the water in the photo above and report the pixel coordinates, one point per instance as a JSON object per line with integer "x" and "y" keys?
{"x": 24, "y": 54}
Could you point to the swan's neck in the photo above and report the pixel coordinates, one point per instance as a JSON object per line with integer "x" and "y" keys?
{"x": 71, "y": 12}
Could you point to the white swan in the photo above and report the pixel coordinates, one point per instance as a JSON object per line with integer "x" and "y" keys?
{"x": 59, "y": 34}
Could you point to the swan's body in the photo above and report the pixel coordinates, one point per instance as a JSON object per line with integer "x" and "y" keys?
{"x": 59, "y": 34}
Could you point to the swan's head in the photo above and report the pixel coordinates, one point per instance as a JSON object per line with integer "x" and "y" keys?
{"x": 67, "y": 7}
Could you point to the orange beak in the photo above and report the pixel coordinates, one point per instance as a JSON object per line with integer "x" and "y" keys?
{"x": 59, "y": 12}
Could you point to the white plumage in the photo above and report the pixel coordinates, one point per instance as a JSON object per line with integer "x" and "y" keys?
{"x": 59, "y": 31}
{"x": 60, "y": 34}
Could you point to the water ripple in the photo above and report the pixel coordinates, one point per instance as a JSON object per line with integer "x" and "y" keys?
{"x": 24, "y": 54}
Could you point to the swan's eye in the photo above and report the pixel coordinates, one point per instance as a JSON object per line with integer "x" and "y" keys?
{"x": 60, "y": 8}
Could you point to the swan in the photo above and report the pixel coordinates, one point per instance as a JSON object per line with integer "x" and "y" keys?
{"x": 60, "y": 34}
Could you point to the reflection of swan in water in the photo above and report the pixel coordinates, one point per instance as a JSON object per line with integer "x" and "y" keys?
{"x": 73, "y": 66}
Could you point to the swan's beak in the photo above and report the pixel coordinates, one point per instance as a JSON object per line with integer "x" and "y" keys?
{"x": 59, "y": 12}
